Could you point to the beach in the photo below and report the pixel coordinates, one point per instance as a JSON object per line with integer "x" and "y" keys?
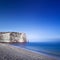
{"x": 9, "y": 52}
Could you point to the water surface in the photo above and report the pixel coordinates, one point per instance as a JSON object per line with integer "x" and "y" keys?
{"x": 50, "y": 48}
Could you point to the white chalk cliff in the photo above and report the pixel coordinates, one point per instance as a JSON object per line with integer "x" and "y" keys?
{"x": 12, "y": 37}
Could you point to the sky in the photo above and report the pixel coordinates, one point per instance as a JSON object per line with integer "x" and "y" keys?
{"x": 39, "y": 19}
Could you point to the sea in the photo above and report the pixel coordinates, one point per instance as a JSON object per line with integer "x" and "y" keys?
{"x": 48, "y": 48}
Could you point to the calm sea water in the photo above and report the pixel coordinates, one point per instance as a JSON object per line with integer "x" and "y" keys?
{"x": 51, "y": 48}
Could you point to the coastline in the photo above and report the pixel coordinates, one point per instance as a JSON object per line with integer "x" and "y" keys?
{"x": 41, "y": 52}
{"x": 10, "y": 52}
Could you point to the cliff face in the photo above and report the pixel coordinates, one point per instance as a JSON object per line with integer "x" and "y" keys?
{"x": 12, "y": 37}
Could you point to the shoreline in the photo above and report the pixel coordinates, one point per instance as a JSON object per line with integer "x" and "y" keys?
{"x": 15, "y": 53}
{"x": 44, "y": 54}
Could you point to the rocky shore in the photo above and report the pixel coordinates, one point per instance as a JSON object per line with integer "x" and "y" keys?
{"x": 9, "y": 52}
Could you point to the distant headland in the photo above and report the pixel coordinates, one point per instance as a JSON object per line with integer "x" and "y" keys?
{"x": 12, "y": 37}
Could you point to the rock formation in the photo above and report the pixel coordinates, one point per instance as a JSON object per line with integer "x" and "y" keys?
{"x": 12, "y": 37}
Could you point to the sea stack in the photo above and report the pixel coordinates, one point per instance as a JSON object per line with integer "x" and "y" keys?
{"x": 12, "y": 37}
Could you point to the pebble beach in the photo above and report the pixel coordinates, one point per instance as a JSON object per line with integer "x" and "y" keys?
{"x": 9, "y": 52}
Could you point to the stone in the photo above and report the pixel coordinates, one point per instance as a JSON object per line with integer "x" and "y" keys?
{"x": 10, "y": 37}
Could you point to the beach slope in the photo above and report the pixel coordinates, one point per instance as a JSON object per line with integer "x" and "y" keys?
{"x": 9, "y": 52}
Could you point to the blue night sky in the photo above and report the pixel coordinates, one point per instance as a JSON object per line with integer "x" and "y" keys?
{"x": 39, "y": 19}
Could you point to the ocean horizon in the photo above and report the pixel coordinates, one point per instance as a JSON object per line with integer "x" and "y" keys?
{"x": 49, "y": 48}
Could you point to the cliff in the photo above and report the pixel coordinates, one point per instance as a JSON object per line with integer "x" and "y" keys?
{"x": 12, "y": 37}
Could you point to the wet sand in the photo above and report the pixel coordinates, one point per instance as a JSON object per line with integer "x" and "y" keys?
{"x": 9, "y": 52}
